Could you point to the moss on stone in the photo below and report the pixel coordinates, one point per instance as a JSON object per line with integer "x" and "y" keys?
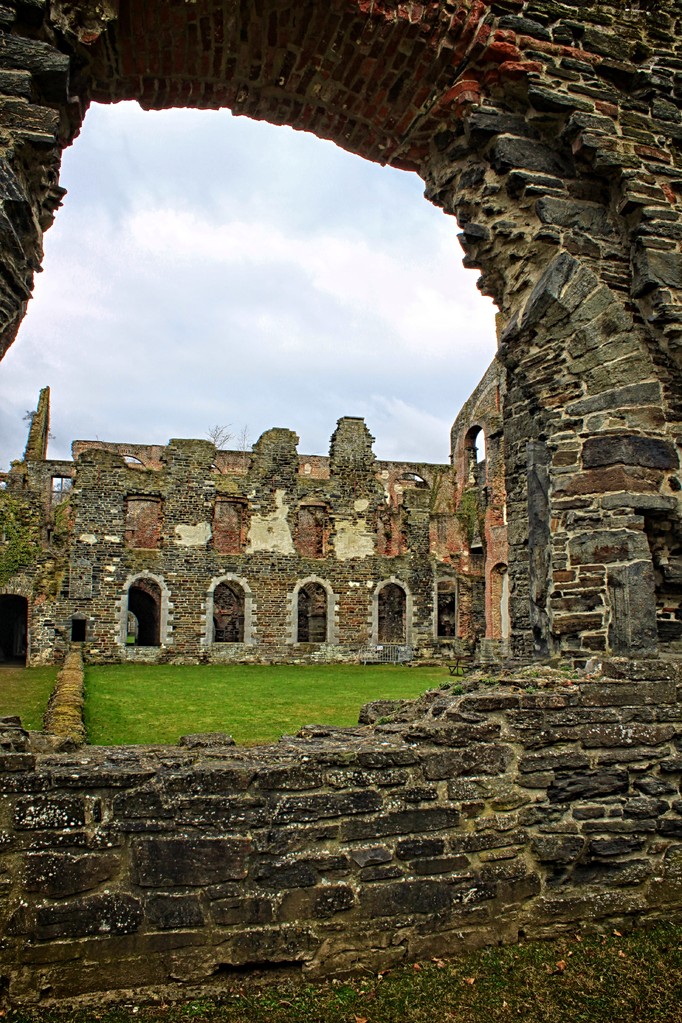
{"x": 19, "y": 536}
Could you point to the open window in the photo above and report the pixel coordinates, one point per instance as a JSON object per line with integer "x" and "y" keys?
{"x": 392, "y": 614}
{"x": 312, "y": 614}
{"x": 61, "y": 487}
{"x": 228, "y": 613}
{"x": 229, "y": 525}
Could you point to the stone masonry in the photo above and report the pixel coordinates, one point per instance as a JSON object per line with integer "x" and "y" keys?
{"x": 552, "y": 132}
{"x": 186, "y": 553}
{"x": 544, "y": 804}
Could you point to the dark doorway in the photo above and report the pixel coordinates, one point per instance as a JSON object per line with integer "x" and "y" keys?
{"x": 312, "y": 614}
{"x": 78, "y": 629}
{"x": 13, "y": 628}
{"x": 144, "y": 602}
{"x": 392, "y": 606}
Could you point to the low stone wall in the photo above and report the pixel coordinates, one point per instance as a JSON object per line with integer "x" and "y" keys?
{"x": 64, "y": 714}
{"x": 470, "y": 818}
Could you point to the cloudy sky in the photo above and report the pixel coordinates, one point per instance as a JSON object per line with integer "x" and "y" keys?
{"x": 207, "y": 269}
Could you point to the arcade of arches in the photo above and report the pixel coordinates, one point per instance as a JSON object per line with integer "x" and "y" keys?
{"x": 552, "y": 132}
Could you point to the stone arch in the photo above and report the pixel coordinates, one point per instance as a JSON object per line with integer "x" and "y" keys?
{"x": 244, "y": 597}
{"x": 308, "y": 598}
{"x": 571, "y": 217}
{"x": 392, "y": 612}
{"x": 147, "y": 598}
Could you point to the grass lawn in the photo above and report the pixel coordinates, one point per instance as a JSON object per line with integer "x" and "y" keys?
{"x": 25, "y": 691}
{"x": 632, "y": 978}
{"x": 138, "y": 703}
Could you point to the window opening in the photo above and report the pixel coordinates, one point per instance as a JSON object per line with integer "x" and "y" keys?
{"x": 392, "y": 614}
{"x": 61, "y": 488}
{"x": 228, "y": 613}
{"x": 446, "y": 619}
{"x": 310, "y": 531}
{"x": 228, "y": 526}
{"x": 312, "y": 614}
{"x": 143, "y": 522}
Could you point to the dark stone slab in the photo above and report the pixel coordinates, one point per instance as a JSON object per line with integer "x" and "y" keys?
{"x": 572, "y": 785}
{"x": 648, "y": 452}
{"x": 163, "y": 862}
{"x": 405, "y": 822}
{"x": 101, "y": 915}
{"x": 38, "y": 812}
{"x": 173, "y": 912}
{"x": 62, "y": 874}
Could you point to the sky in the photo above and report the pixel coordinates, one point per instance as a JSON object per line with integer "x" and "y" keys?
{"x": 212, "y": 270}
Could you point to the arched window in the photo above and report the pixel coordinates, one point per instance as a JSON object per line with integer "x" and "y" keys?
{"x": 392, "y": 617}
{"x": 144, "y": 603}
{"x": 312, "y": 614}
{"x": 228, "y": 613}
{"x": 13, "y": 628}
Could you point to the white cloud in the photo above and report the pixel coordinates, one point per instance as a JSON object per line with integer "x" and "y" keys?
{"x": 276, "y": 281}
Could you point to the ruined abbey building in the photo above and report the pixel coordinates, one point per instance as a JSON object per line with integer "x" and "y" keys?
{"x": 552, "y": 131}
{"x": 188, "y": 553}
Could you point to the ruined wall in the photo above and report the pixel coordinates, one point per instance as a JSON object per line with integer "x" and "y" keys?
{"x": 527, "y": 808}
{"x": 214, "y": 553}
{"x": 552, "y": 132}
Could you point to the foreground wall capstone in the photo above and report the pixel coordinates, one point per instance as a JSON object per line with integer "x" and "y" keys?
{"x": 526, "y": 808}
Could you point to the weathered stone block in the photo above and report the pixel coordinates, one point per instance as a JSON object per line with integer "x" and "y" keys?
{"x": 648, "y": 452}
{"x": 162, "y": 862}
{"x": 404, "y": 822}
{"x": 318, "y": 903}
{"x": 101, "y": 915}
{"x": 49, "y": 812}
{"x": 604, "y": 546}
{"x": 478, "y": 759}
{"x": 240, "y": 911}
{"x": 568, "y": 786}
{"x": 394, "y": 899}
{"x": 414, "y": 847}
{"x": 174, "y": 912}
{"x": 62, "y": 874}
{"x": 317, "y": 807}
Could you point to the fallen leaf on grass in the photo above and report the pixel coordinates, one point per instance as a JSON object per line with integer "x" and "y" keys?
{"x": 469, "y": 980}
{"x": 416, "y": 966}
{"x": 360, "y": 1019}
{"x": 621, "y": 954}
{"x": 439, "y": 963}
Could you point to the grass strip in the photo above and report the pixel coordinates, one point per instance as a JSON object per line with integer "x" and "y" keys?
{"x": 25, "y": 692}
{"x": 633, "y": 978}
{"x": 136, "y": 703}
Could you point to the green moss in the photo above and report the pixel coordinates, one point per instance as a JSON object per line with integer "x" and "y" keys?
{"x": 19, "y": 536}
{"x": 471, "y": 515}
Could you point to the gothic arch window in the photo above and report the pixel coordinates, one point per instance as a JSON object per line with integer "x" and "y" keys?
{"x": 392, "y": 624}
{"x": 313, "y": 607}
{"x": 228, "y": 613}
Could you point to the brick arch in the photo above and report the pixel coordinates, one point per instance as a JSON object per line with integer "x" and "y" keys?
{"x": 551, "y": 138}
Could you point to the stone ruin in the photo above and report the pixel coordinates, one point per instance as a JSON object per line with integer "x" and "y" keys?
{"x": 186, "y": 553}
{"x": 552, "y": 131}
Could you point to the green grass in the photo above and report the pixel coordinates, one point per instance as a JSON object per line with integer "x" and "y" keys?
{"x": 25, "y": 691}
{"x": 136, "y": 703}
{"x": 634, "y": 978}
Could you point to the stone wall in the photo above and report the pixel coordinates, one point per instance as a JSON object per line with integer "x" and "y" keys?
{"x": 186, "y": 553}
{"x": 542, "y": 804}
{"x": 552, "y": 132}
